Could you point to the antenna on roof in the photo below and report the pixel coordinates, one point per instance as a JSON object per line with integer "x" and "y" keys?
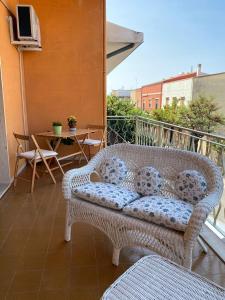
{"x": 199, "y": 69}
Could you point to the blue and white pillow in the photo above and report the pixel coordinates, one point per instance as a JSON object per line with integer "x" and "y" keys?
{"x": 191, "y": 186}
{"x": 161, "y": 210}
{"x": 148, "y": 181}
{"x": 113, "y": 170}
{"x": 106, "y": 194}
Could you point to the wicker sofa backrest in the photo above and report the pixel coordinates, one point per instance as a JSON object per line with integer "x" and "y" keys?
{"x": 168, "y": 161}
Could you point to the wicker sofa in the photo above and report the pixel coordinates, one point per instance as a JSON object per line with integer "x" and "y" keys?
{"x": 124, "y": 230}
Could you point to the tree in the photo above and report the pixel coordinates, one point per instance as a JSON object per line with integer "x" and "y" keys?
{"x": 122, "y": 128}
{"x": 202, "y": 115}
{"x": 170, "y": 113}
{"x": 119, "y": 107}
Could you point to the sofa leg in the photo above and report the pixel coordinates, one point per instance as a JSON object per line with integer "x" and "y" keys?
{"x": 203, "y": 245}
{"x": 68, "y": 224}
{"x": 187, "y": 263}
{"x": 116, "y": 256}
{"x": 67, "y": 233}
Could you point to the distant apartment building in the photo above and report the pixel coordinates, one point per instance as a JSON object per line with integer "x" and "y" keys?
{"x": 178, "y": 88}
{"x": 151, "y": 96}
{"x": 183, "y": 88}
{"x": 122, "y": 94}
{"x": 211, "y": 85}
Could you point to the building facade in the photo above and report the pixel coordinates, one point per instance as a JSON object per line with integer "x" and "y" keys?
{"x": 211, "y": 86}
{"x": 151, "y": 95}
{"x": 178, "y": 88}
{"x": 122, "y": 94}
{"x": 135, "y": 96}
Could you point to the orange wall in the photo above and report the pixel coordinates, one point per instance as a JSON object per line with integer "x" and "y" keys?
{"x": 10, "y": 67}
{"x": 68, "y": 76}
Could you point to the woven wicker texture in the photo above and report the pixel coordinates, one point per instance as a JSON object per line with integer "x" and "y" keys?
{"x": 153, "y": 277}
{"x": 123, "y": 230}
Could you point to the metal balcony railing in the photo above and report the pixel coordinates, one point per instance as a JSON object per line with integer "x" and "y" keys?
{"x": 143, "y": 131}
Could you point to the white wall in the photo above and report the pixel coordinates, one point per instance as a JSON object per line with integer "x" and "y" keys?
{"x": 178, "y": 89}
{"x": 211, "y": 86}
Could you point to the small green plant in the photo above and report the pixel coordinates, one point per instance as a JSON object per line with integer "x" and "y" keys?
{"x": 56, "y": 123}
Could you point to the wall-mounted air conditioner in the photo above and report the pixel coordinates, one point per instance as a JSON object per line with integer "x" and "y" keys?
{"x": 25, "y": 29}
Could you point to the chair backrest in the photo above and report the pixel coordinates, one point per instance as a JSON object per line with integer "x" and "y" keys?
{"x": 25, "y": 138}
{"x": 100, "y": 129}
{"x": 19, "y": 138}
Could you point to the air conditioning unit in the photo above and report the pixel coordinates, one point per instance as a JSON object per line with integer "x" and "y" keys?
{"x": 25, "y": 29}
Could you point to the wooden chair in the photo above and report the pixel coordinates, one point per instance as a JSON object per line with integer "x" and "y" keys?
{"x": 33, "y": 157}
{"x": 91, "y": 142}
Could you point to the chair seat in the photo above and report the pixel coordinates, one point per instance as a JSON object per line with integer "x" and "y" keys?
{"x": 30, "y": 154}
{"x": 106, "y": 194}
{"x": 90, "y": 142}
{"x": 169, "y": 212}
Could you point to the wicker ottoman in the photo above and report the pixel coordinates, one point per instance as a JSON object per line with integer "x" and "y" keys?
{"x": 154, "y": 277}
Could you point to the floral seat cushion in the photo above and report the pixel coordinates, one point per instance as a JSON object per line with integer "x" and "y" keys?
{"x": 169, "y": 212}
{"x": 113, "y": 170}
{"x": 191, "y": 186}
{"x": 148, "y": 181}
{"x": 106, "y": 194}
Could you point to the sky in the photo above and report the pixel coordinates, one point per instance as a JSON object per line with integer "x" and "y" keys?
{"x": 178, "y": 35}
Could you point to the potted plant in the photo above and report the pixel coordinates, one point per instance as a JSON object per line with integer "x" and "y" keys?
{"x": 72, "y": 122}
{"x": 57, "y": 128}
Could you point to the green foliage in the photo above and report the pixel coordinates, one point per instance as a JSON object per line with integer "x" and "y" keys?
{"x": 170, "y": 113}
{"x": 118, "y": 107}
{"x": 56, "y": 123}
{"x": 203, "y": 115}
{"x": 122, "y": 129}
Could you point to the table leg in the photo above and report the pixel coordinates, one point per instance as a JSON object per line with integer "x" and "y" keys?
{"x": 80, "y": 146}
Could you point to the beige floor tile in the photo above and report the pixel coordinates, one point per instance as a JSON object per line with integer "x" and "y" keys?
{"x": 58, "y": 260}
{"x": 36, "y": 262}
{"x": 56, "y": 278}
{"x": 83, "y": 252}
{"x": 109, "y": 273}
{"x": 84, "y": 294}
{"x": 22, "y": 296}
{"x": 84, "y": 278}
{"x": 16, "y": 237}
{"x": 26, "y": 281}
{"x": 6, "y": 277}
{"x": 53, "y": 294}
{"x": 31, "y": 261}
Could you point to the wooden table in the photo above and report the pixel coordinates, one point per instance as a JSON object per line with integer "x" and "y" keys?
{"x": 77, "y": 136}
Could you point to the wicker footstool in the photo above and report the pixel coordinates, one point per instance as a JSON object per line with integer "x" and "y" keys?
{"x": 154, "y": 277}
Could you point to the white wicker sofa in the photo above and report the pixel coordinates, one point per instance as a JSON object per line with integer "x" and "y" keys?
{"x": 124, "y": 230}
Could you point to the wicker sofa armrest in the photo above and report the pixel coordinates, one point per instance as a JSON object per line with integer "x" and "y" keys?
{"x": 74, "y": 178}
{"x": 199, "y": 216}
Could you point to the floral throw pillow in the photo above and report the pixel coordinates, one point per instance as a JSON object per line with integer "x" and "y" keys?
{"x": 191, "y": 186}
{"x": 148, "y": 181}
{"x": 113, "y": 170}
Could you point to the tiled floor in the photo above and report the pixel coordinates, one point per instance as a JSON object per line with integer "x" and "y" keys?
{"x": 36, "y": 263}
